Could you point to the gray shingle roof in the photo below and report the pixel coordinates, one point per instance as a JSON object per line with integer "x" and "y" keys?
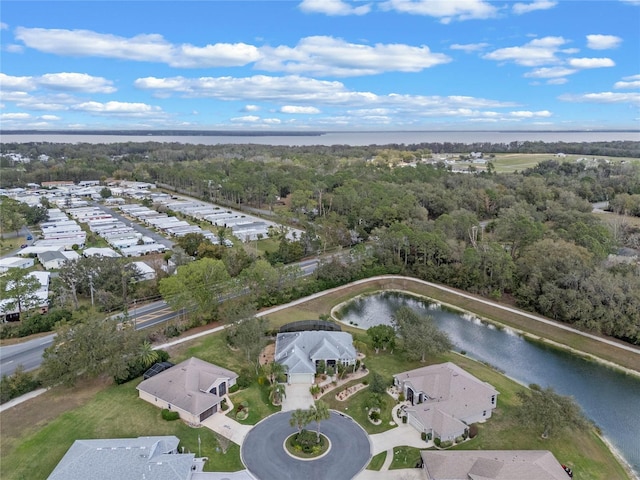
{"x": 298, "y": 351}
{"x": 152, "y": 458}
{"x": 186, "y": 385}
{"x": 492, "y": 465}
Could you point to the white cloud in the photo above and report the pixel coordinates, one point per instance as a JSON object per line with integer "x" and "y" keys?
{"x": 469, "y": 47}
{"x": 632, "y": 2}
{"x": 298, "y": 109}
{"x": 10, "y": 83}
{"x": 272, "y": 121}
{"x": 445, "y": 10}
{"x": 591, "y": 62}
{"x": 322, "y": 55}
{"x": 251, "y": 108}
{"x": 603, "y": 42}
{"x": 557, "y": 81}
{"x": 144, "y": 47}
{"x": 298, "y": 90}
{"x": 117, "y": 108}
{"x": 550, "y": 72}
{"x": 14, "y": 116}
{"x": 602, "y": 97}
{"x": 522, "y": 8}
{"x": 632, "y": 81}
{"x": 540, "y": 51}
{"x": 528, "y": 114}
{"x": 77, "y": 82}
{"x": 246, "y": 119}
{"x": 14, "y": 48}
{"x": 333, "y": 7}
{"x": 3, "y": 26}
{"x": 50, "y": 118}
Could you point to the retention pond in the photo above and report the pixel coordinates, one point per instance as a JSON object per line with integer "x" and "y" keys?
{"x": 608, "y": 396}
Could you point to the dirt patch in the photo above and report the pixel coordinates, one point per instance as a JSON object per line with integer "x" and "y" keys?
{"x": 268, "y": 354}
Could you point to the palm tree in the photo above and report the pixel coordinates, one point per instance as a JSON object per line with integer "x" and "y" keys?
{"x": 299, "y": 418}
{"x": 277, "y": 392}
{"x": 147, "y": 355}
{"x": 319, "y": 412}
{"x": 273, "y": 371}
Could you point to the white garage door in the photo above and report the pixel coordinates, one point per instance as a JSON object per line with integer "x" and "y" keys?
{"x": 301, "y": 378}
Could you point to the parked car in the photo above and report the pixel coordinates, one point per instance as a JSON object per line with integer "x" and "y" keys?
{"x": 24, "y": 245}
{"x": 29, "y": 237}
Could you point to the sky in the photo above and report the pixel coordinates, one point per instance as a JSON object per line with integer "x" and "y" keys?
{"x": 320, "y": 65}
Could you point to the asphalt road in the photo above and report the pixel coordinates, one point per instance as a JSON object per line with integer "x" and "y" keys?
{"x": 264, "y": 455}
{"x": 28, "y": 354}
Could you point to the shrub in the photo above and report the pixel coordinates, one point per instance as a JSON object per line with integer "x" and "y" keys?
{"x": 19, "y": 383}
{"x": 423, "y": 436}
{"x": 446, "y": 444}
{"x": 170, "y": 416}
{"x": 436, "y": 442}
{"x": 401, "y": 397}
{"x": 234, "y": 388}
{"x": 460, "y": 439}
{"x": 374, "y": 415}
{"x": 223, "y": 405}
{"x": 473, "y": 430}
{"x": 404, "y": 419}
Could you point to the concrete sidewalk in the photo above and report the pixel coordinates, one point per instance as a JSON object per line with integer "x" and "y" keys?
{"x": 227, "y": 427}
{"x": 402, "y": 435}
{"x": 402, "y": 474}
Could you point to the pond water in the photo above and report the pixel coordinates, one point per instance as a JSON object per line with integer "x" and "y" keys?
{"x": 607, "y": 396}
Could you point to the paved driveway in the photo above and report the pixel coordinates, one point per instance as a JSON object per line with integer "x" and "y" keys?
{"x": 227, "y": 427}
{"x": 297, "y": 396}
{"x": 265, "y": 457}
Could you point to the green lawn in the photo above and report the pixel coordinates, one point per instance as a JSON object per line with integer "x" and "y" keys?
{"x": 405, "y": 457}
{"x": 115, "y": 412}
{"x": 377, "y": 461}
{"x": 257, "y": 397}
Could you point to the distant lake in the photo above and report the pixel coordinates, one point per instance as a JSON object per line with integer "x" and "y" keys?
{"x": 336, "y": 138}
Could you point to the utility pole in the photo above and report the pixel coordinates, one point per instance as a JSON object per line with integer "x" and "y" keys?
{"x": 91, "y": 288}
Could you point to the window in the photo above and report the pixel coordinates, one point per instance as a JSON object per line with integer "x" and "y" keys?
{"x": 493, "y": 399}
{"x": 484, "y": 414}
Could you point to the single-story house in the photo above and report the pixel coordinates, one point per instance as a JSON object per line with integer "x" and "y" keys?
{"x": 301, "y": 352}
{"x": 100, "y": 252}
{"x": 15, "y": 262}
{"x": 151, "y": 458}
{"x": 444, "y": 399}
{"x": 144, "y": 271}
{"x": 193, "y": 388}
{"x": 492, "y": 465}
{"x": 53, "y": 260}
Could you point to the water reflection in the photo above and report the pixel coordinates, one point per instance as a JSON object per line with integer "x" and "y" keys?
{"x": 609, "y": 397}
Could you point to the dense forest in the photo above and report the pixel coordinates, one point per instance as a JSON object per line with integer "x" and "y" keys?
{"x": 527, "y": 238}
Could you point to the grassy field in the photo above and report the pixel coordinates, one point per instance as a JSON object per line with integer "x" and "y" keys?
{"x": 36, "y": 434}
{"x": 512, "y": 162}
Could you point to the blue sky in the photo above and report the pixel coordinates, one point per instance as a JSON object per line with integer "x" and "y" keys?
{"x": 320, "y": 65}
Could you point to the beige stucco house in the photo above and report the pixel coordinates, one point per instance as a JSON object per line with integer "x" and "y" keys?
{"x": 444, "y": 399}
{"x": 193, "y": 388}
